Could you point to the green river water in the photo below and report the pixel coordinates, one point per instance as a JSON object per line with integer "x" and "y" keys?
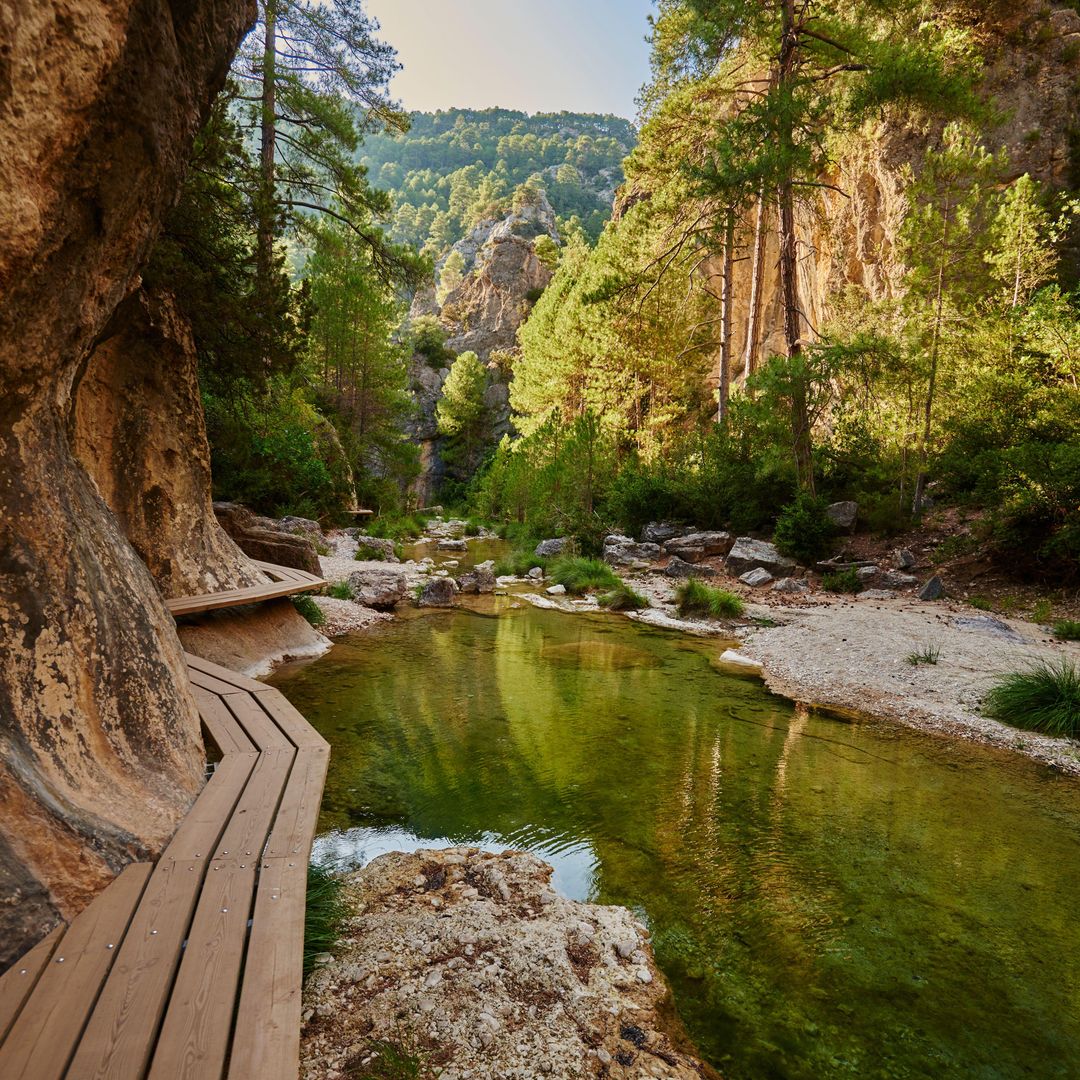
{"x": 827, "y": 898}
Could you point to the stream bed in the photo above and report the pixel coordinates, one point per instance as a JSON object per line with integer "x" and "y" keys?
{"x": 828, "y": 898}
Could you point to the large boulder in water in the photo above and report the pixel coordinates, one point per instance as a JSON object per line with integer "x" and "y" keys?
{"x": 481, "y": 579}
{"x": 378, "y": 588}
{"x": 437, "y": 592}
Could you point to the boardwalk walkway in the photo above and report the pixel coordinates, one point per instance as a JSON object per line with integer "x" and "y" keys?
{"x": 191, "y": 967}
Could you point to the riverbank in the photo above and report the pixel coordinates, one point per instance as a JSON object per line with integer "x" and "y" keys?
{"x": 465, "y": 964}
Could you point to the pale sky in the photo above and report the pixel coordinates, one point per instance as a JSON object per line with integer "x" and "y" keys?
{"x": 540, "y": 56}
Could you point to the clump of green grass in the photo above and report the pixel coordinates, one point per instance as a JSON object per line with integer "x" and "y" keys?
{"x": 1042, "y": 611}
{"x": 340, "y": 590}
{"x": 518, "y": 563}
{"x": 309, "y": 609}
{"x": 845, "y": 581}
{"x": 390, "y": 1059}
{"x": 408, "y": 527}
{"x": 1067, "y": 630}
{"x": 623, "y": 598}
{"x": 369, "y": 552}
{"x": 324, "y": 914}
{"x": 1045, "y": 697}
{"x": 473, "y": 527}
{"x": 928, "y": 654}
{"x": 694, "y": 597}
{"x": 578, "y": 574}
{"x": 981, "y": 603}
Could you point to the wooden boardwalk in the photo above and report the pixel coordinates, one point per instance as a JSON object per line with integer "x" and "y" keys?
{"x": 284, "y": 581}
{"x": 190, "y": 967}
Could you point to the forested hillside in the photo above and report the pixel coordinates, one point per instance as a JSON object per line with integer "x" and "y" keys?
{"x": 454, "y": 168}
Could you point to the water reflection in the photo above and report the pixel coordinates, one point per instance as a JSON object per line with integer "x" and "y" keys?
{"x": 828, "y": 899}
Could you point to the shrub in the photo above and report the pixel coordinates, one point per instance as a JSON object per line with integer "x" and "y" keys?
{"x": 1067, "y": 630}
{"x": 623, "y": 598}
{"x": 694, "y": 597}
{"x": 309, "y": 609}
{"x": 846, "y": 581}
{"x": 409, "y": 527}
{"x": 928, "y": 654}
{"x": 1044, "y": 698}
{"x": 803, "y": 529}
{"x": 577, "y": 574}
{"x": 340, "y": 590}
{"x": 369, "y": 552}
{"x": 324, "y": 914}
{"x": 518, "y": 563}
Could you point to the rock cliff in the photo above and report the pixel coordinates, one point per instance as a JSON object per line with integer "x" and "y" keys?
{"x": 100, "y": 752}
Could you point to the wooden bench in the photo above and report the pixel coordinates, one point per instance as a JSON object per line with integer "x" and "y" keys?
{"x": 190, "y": 967}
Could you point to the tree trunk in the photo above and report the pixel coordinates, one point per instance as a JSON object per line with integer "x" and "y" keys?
{"x": 757, "y": 283}
{"x": 267, "y": 208}
{"x": 724, "y": 382}
{"x": 789, "y": 266}
{"x": 100, "y": 748}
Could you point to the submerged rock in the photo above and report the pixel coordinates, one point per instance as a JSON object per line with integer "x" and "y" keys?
{"x": 438, "y": 592}
{"x": 481, "y": 579}
{"x": 748, "y": 553}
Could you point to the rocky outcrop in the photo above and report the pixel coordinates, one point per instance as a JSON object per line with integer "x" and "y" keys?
{"x": 100, "y": 750}
{"x": 622, "y": 551}
{"x": 472, "y": 962}
{"x": 263, "y": 538}
{"x": 139, "y": 431}
{"x": 695, "y": 546}
{"x": 750, "y": 554}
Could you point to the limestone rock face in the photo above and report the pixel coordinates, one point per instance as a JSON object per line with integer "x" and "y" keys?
{"x": 100, "y": 750}
{"x": 139, "y": 431}
{"x": 261, "y": 538}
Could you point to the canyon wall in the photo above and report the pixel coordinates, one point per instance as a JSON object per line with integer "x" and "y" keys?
{"x": 100, "y": 751}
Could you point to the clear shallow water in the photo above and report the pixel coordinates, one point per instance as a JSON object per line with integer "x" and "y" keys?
{"x": 828, "y": 899}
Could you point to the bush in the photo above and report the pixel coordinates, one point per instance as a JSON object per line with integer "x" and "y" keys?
{"x": 309, "y": 609}
{"x": 1067, "y": 630}
{"x": 623, "y": 598}
{"x": 340, "y": 590}
{"x": 577, "y": 574}
{"x": 518, "y": 563}
{"x": 1044, "y": 698}
{"x": 409, "y": 527}
{"x": 324, "y": 914}
{"x": 846, "y": 581}
{"x": 694, "y": 597}
{"x": 803, "y": 529}
{"x": 371, "y": 552}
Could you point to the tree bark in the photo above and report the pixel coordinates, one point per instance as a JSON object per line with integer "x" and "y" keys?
{"x": 757, "y": 283}
{"x": 724, "y": 381}
{"x": 267, "y": 210}
{"x": 100, "y": 750}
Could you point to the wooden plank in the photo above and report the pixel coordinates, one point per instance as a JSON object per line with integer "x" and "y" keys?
{"x": 194, "y": 1038}
{"x": 204, "y": 823}
{"x": 298, "y": 814}
{"x": 260, "y": 729}
{"x": 211, "y": 683}
{"x": 19, "y": 979}
{"x": 299, "y": 731}
{"x": 267, "y": 1040}
{"x": 48, "y": 1028}
{"x": 223, "y": 674}
{"x": 248, "y": 827}
{"x": 123, "y": 1027}
{"x": 224, "y": 730}
{"x": 194, "y": 605}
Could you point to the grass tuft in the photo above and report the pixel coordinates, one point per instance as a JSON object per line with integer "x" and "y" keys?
{"x": 1042, "y": 611}
{"x": 309, "y": 609}
{"x": 623, "y": 598}
{"x": 324, "y": 914}
{"x": 518, "y": 563}
{"x": 928, "y": 654}
{"x": 846, "y": 581}
{"x": 1045, "y": 697}
{"x": 1067, "y": 630}
{"x": 696, "y": 598}
{"x": 340, "y": 590}
{"x": 578, "y": 574}
{"x": 980, "y": 603}
{"x": 390, "y": 1059}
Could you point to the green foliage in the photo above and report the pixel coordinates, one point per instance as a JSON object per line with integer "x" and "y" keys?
{"x": 578, "y": 574}
{"x": 980, "y": 603}
{"x": 694, "y": 597}
{"x": 369, "y": 552}
{"x": 394, "y": 527}
{"x": 307, "y": 607}
{"x": 1067, "y": 630}
{"x": 324, "y": 914}
{"x": 428, "y": 338}
{"x": 803, "y": 529}
{"x": 450, "y": 276}
{"x": 518, "y": 563}
{"x": 390, "y": 1059}
{"x": 340, "y": 590}
{"x": 1042, "y": 611}
{"x": 928, "y": 654}
{"x": 844, "y": 581}
{"x": 623, "y": 598}
{"x": 1045, "y": 697}
{"x": 462, "y": 415}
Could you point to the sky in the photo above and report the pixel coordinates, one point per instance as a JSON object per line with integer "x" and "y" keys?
{"x": 535, "y": 55}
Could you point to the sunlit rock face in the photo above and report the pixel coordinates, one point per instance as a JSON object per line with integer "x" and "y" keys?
{"x": 100, "y": 752}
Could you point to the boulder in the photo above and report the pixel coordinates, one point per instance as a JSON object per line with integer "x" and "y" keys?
{"x": 481, "y": 579}
{"x": 756, "y": 577}
{"x": 556, "y": 590}
{"x": 695, "y": 546}
{"x": 903, "y": 559}
{"x": 843, "y": 514}
{"x": 679, "y": 568}
{"x": 790, "y": 585}
{"x": 893, "y": 579}
{"x": 987, "y": 624}
{"x": 536, "y": 573}
{"x": 438, "y": 592}
{"x": 748, "y": 553}
{"x": 867, "y": 573}
{"x": 743, "y": 663}
{"x": 261, "y": 538}
{"x": 622, "y": 551}
{"x": 377, "y": 588}
{"x": 934, "y": 589}
{"x": 547, "y": 548}
{"x": 376, "y": 548}
{"x": 301, "y": 526}
{"x": 876, "y": 594}
{"x": 660, "y": 532}
{"x": 452, "y": 545}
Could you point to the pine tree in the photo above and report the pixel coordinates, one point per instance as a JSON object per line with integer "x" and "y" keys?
{"x": 462, "y": 414}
